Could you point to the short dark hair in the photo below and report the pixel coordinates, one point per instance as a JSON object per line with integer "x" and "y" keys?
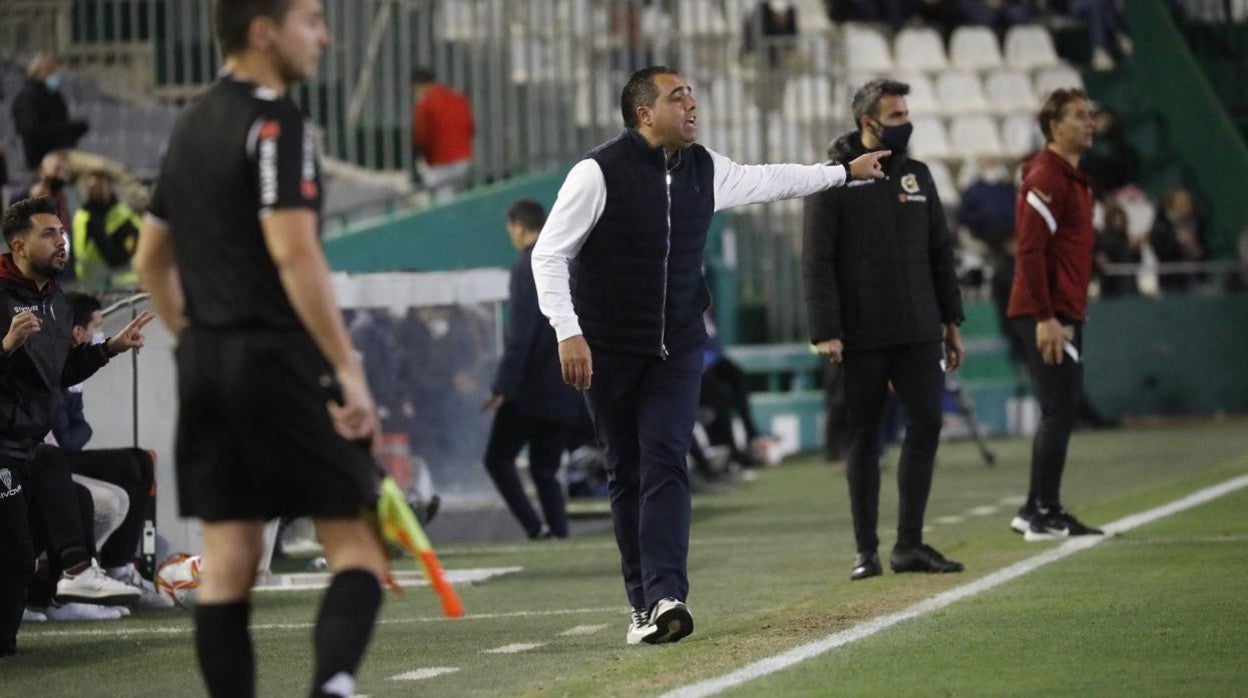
{"x": 16, "y": 218}
{"x": 640, "y": 91}
{"x": 421, "y": 76}
{"x": 233, "y": 20}
{"x": 866, "y": 100}
{"x": 528, "y": 214}
{"x": 1054, "y": 106}
{"x": 82, "y": 306}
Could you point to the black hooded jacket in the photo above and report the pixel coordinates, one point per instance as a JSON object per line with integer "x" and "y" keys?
{"x": 878, "y": 259}
{"x": 32, "y": 375}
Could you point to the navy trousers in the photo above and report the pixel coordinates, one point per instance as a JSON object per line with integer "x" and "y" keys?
{"x": 643, "y": 410}
{"x": 547, "y": 440}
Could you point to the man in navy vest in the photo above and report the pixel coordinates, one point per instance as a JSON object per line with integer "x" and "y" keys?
{"x": 618, "y": 270}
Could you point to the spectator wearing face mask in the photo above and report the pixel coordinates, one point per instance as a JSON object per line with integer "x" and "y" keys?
{"x": 105, "y": 232}
{"x": 41, "y": 115}
{"x": 54, "y": 177}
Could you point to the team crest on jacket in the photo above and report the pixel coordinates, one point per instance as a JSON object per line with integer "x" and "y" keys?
{"x": 6, "y": 478}
{"x": 910, "y": 184}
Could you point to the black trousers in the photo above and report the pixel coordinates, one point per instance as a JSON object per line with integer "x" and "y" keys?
{"x": 724, "y": 391}
{"x": 132, "y": 470}
{"x": 1058, "y": 387}
{"x": 916, "y": 376}
{"x": 547, "y": 441}
{"x": 17, "y": 553}
{"x": 59, "y": 517}
{"x": 643, "y": 410}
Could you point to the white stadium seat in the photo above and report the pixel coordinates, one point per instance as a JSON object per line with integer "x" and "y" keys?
{"x": 949, "y": 194}
{"x": 974, "y": 48}
{"x": 929, "y": 141}
{"x": 1009, "y": 91}
{"x": 1028, "y": 47}
{"x": 920, "y": 49}
{"x": 866, "y": 49}
{"x": 1020, "y": 135}
{"x": 961, "y": 93}
{"x": 973, "y": 135}
{"x": 1060, "y": 77}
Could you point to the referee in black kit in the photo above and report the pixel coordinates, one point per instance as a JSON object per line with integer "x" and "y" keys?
{"x": 883, "y": 301}
{"x": 231, "y": 255}
{"x": 618, "y": 269}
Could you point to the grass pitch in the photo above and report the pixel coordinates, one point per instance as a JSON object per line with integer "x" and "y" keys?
{"x": 1160, "y": 610}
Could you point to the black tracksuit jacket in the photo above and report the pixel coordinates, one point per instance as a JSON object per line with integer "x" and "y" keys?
{"x": 878, "y": 259}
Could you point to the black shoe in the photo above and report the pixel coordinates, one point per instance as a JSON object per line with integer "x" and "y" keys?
{"x": 1075, "y": 527}
{"x": 921, "y": 558}
{"x": 1022, "y": 520}
{"x": 1048, "y": 524}
{"x": 867, "y": 565}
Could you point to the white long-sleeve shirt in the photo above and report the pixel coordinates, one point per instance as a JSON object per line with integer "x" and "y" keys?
{"x": 583, "y": 197}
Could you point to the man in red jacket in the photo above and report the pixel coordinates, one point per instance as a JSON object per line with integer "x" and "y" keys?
{"x": 1053, "y": 221}
{"x": 442, "y": 131}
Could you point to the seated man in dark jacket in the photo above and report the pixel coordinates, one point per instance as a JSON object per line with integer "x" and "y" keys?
{"x": 535, "y": 406}
{"x": 883, "y": 301}
{"x": 36, "y": 359}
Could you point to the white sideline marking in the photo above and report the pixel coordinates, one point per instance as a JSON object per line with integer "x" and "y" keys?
{"x": 306, "y": 581}
{"x": 584, "y": 630}
{"x": 514, "y": 648}
{"x": 1015, "y": 501}
{"x": 988, "y": 510}
{"x": 429, "y": 673}
{"x": 27, "y": 630}
{"x": 809, "y": 650}
{"x": 948, "y": 520}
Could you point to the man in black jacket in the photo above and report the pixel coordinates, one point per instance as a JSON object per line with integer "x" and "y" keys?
{"x": 40, "y": 114}
{"x": 534, "y": 405}
{"x": 35, "y": 361}
{"x": 883, "y": 301}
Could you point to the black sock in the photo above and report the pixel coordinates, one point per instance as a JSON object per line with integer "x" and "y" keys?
{"x": 74, "y": 559}
{"x": 223, "y": 645}
{"x": 343, "y": 630}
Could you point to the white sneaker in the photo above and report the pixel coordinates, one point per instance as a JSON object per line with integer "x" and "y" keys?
{"x": 672, "y": 621}
{"x": 640, "y": 628}
{"x": 149, "y": 597}
{"x": 94, "y": 587}
{"x": 82, "y": 611}
{"x": 30, "y": 615}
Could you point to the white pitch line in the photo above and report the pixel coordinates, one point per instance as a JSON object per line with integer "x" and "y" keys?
{"x": 949, "y": 520}
{"x": 1013, "y": 501}
{"x": 421, "y": 674}
{"x": 987, "y": 510}
{"x": 514, "y": 648}
{"x": 28, "y": 631}
{"x": 810, "y": 650}
{"x": 584, "y": 630}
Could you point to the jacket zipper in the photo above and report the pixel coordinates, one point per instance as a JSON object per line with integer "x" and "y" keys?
{"x": 666, "y": 255}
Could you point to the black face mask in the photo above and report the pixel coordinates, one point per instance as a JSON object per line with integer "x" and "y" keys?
{"x": 894, "y": 138}
{"x": 54, "y": 184}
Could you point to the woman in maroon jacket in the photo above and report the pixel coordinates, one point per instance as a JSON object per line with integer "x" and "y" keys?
{"x": 1053, "y": 221}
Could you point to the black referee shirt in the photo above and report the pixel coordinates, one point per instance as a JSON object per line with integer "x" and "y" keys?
{"x": 235, "y": 155}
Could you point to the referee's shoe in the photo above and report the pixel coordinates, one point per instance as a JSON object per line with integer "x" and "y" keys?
{"x": 921, "y": 558}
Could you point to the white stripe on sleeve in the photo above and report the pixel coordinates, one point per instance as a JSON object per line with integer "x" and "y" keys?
{"x": 1034, "y": 200}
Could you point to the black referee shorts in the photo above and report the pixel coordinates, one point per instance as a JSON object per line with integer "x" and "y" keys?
{"x": 254, "y": 437}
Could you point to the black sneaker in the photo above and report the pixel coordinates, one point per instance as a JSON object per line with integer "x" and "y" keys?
{"x": 1022, "y": 520}
{"x": 1075, "y": 527}
{"x": 1047, "y": 525}
{"x": 921, "y": 558}
{"x": 867, "y": 565}
{"x": 672, "y": 621}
